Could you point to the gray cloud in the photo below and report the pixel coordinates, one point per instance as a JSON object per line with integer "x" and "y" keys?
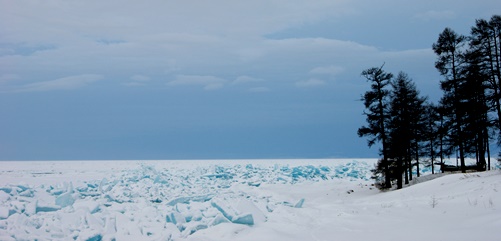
{"x": 206, "y": 81}
{"x": 140, "y": 78}
{"x": 259, "y": 89}
{"x": 246, "y": 79}
{"x": 66, "y": 83}
{"x": 329, "y": 70}
{"x": 5, "y": 78}
{"x": 432, "y": 15}
{"x": 310, "y": 83}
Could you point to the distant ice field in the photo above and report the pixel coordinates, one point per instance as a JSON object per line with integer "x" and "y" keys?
{"x": 75, "y": 170}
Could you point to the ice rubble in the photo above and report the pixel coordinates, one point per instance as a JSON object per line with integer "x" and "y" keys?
{"x": 151, "y": 203}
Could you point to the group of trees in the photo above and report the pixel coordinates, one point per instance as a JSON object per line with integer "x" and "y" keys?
{"x": 412, "y": 129}
{"x": 399, "y": 118}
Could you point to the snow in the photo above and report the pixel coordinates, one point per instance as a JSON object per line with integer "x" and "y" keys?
{"x": 240, "y": 200}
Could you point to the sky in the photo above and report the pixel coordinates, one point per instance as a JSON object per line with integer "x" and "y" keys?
{"x": 221, "y": 79}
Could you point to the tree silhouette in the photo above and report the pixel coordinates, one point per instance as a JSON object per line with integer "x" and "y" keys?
{"x": 377, "y": 114}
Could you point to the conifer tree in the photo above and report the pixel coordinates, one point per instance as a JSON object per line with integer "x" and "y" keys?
{"x": 485, "y": 41}
{"x": 450, "y": 51}
{"x": 406, "y": 126}
{"x": 377, "y": 117}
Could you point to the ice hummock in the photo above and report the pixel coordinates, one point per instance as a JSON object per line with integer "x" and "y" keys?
{"x": 190, "y": 199}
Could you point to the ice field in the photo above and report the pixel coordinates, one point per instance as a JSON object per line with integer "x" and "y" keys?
{"x": 326, "y": 199}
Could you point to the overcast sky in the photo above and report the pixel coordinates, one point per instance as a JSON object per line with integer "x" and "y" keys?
{"x": 213, "y": 79}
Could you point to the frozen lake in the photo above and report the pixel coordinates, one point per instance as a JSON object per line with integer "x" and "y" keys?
{"x": 319, "y": 199}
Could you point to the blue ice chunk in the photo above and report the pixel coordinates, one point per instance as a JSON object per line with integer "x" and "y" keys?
{"x": 353, "y": 173}
{"x": 47, "y": 208}
{"x": 56, "y": 192}
{"x": 224, "y": 176}
{"x": 191, "y": 229}
{"x": 168, "y": 219}
{"x": 96, "y": 237}
{"x": 172, "y": 218}
{"x": 201, "y": 198}
{"x": 245, "y": 219}
{"x": 22, "y": 187}
{"x": 300, "y": 203}
{"x": 270, "y": 207}
{"x": 308, "y": 172}
{"x": 220, "y": 172}
{"x": 111, "y": 198}
{"x": 224, "y": 209}
{"x": 176, "y": 218}
{"x": 90, "y": 194}
{"x": 218, "y": 220}
{"x": 26, "y": 193}
{"x": 179, "y": 200}
{"x": 31, "y": 208}
{"x": 184, "y": 209}
{"x": 245, "y": 205}
{"x": 219, "y": 169}
{"x": 103, "y": 182}
{"x": 65, "y": 199}
{"x": 281, "y": 179}
{"x": 6, "y": 189}
{"x": 254, "y": 184}
{"x": 354, "y": 170}
{"x": 227, "y": 210}
{"x": 82, "y": 188}
{"x": 160, "y": 179}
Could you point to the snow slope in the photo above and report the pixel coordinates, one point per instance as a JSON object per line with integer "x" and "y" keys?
{"x": 239, "y": 200}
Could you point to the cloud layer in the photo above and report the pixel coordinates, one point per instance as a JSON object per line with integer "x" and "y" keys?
{"x": 208, "y": 74}
{"x": 66, "y": 83}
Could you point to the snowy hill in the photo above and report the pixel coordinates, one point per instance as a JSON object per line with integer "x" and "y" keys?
{"x": 239, "y": 200}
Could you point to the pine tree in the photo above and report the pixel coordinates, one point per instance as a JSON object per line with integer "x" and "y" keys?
{"x": 485, "y": 41}
{"x": 377, "y": 117}
{"x": 406, "y": 126}
{"x": 485, "y": 67}
{"x": 450, "y": 51}
{"x": 477, "y": 124}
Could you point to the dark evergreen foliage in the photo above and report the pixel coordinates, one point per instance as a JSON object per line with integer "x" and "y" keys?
{"x": 462, "y": 123}
{"x": 377, "y": 115}
{"x": 471, "y": 101}
{"x": 408, "y": 123}
{"x": 450, "y": 51}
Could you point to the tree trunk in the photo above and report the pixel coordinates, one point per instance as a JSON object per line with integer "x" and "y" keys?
{"x": 488, "y": 153}
{"x": 387, "y": 180}
{"x": 417, "y": 157}
{"x": 461, "y": 156}
{"x": 399, "y": 173}
{"x": 409, "y": 159}
{"x": 406, "y": 168}
{"x": 432, "y": 153}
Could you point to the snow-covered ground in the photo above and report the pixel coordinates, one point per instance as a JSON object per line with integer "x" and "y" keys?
{"x": 330, "y": 199}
